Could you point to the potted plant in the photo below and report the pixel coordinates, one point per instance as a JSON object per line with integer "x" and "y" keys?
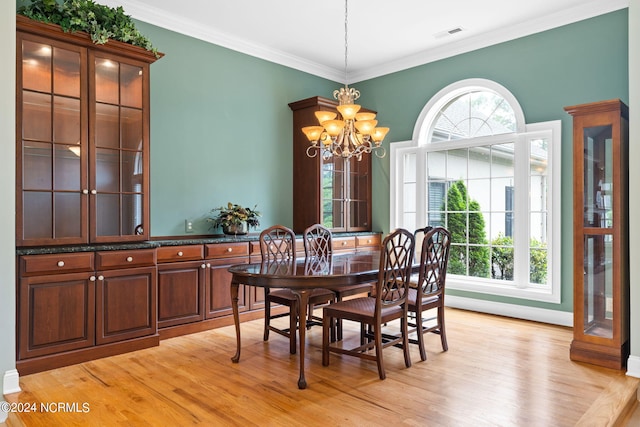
{"x": 235, "y": 219}
{"x": 100, "y": 22}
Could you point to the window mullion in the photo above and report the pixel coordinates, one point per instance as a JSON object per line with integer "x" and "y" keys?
{"x": 521, "y": 214}
{"x": 421, "y": 188}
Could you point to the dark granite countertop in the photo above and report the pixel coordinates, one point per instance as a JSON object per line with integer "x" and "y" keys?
{"x": 151, "y": 244}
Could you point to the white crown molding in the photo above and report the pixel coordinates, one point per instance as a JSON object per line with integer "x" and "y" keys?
{"x": 474, "y": 42}
{"x": 159, "y": 18}
{"x": 187, "y": 27}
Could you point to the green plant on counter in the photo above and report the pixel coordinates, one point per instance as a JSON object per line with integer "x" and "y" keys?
{"x": 100, "y": 22}
{"x": 234, "y": 215}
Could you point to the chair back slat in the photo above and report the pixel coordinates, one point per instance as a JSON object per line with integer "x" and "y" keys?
{"x": 317, "y": 241}
{"x": 434, "y": 260}
{"x": 396, "y": 258}
{"x": 278, "y": 243}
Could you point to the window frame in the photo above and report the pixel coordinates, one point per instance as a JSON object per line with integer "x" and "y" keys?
{"x": 420, "y": 145}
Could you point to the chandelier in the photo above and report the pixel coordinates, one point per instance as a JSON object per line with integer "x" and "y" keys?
{"x": 352, "y": 135}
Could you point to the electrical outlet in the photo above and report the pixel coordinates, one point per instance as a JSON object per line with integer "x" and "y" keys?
{"x": 188, "y": 226}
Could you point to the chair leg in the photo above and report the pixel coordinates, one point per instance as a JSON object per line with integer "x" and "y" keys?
{"x": 405, "y": 341}
{"x": 378, "y": 341}
{"x": 309, "y": 316}
{"x": 267, "y": 317}
{"x": 443, "y": 335}
{"x": 293, "y": 327}
{"x": 420, "y": 334}
{"x": 327, "y": 323}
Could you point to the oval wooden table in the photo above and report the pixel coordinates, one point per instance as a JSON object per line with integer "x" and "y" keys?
{"x": 302, "y": 277}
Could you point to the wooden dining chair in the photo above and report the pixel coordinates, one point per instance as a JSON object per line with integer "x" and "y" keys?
{"x": 427, "y": 292}
{"x": 318, "y": 242}
{"x": 372, "y": 312}
{"x": 278, "y": 244}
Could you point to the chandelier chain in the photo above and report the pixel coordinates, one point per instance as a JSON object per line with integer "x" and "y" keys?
{"x": 346, "y": 40}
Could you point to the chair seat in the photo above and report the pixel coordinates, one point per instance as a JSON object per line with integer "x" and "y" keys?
{"x": 427, "y": 300}
{"x": 349, "y": 290}
{"x": 361, "y": 309}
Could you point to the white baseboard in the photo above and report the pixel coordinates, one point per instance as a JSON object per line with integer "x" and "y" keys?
{"x": 554, "y": 317}
{"x": 633, "y": 366}
{"x": 11, "y": 382}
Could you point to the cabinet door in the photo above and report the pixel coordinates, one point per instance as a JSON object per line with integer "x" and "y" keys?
{"x": 119, "y": 138}
{"x": 56, "y": 314}
{"x": 181, "y": 293}
{"x": 126, "y": 304}
{"x": 51, "y": 138}
{"x": 218, "y": 292}
{"x": 358, "y": 181}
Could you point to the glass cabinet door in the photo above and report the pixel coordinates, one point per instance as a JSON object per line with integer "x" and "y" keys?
{"x": 333, "y": 193}
{"x": 53, "y": 187}
{"x": 598, "y": 224}
{"x": 118, "y": 141}
{"x": 359, "y": 198}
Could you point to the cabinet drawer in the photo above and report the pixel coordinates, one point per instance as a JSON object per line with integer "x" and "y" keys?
{"x": 179, "y": 253}
{"x": 224, "y": 250}
{"x": 344, "y": 243}
{"x": 56, "y": 263}
{"x": 370, "y": 242}
{"x": 125, "y": 259}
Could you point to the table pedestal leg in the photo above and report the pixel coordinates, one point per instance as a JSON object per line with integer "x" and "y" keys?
{"x": 303, "y": 302}
{"x": 236, "y": 318}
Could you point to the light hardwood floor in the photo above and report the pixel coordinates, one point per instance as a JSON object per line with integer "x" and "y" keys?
{"x": 497, "y": 372}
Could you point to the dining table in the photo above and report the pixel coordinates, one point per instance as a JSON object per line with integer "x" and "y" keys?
{"x": 301, "y": 276}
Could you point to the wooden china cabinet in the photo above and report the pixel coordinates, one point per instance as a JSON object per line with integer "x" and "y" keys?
{"x": 82, "y": 165}
{"x": 82, "y": 136}
{"x": 335, "y": 192}
{"x": 601, "y": 245}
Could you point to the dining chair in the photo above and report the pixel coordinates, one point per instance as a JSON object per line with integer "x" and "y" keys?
{"x": 427, "y": 292}
{"x": 318, "y": 243}
{"x": 373, "y": 312}
{"x": 278, "y": 244}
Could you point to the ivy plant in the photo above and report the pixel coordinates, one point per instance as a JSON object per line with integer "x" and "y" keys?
{"x": 100, "y": 22}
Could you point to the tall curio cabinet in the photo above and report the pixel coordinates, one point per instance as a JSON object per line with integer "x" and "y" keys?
{"x": 82, "y": 137}
{"x": 334, "y": 192}
{"x": 601, "y": 248}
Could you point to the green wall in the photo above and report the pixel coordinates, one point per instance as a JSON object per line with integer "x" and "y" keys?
{"x": 221, "y": 132}
{"x": 582, "y": 62}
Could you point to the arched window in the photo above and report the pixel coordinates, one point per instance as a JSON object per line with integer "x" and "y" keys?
{"x": 475, "y": 167}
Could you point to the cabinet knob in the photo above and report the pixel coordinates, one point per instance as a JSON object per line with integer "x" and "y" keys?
{"x": 180, "y": 253}
{"x": 92, "y": 278}
{"x": 208, "y": 265}
{"x": 60, "y": 263}
{"x": 368, "y": 240}
{"x": 94, "y": 192}
{"x": 203, "y": 266}
{"x": 100, "y": 277}
{"x": 344, "y": 243}
{"x": 229, "y": 249}
{"x": 85, "y": 191}
{"x": 129, "y": 258}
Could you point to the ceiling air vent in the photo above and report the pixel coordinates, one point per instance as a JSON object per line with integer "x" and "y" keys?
{"x": 450, "y": 32}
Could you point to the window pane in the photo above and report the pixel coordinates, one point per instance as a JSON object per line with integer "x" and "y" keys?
{"x": 436, "y": 165}
{"x": 502, "y": 160}
{"x": 66, "y": 72}
{"x": 66, "y": 120}
{"x": 457, "y": 164}
{"x": 479, "y": 162}
{"x": 36, "y": 66}
{"x": 36, "y": 110}
{"x": 131, "y": 128}
{"x": 502, "y": 252}
{"x": 107, "y": 72}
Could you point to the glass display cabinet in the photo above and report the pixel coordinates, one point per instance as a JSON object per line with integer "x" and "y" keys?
{"x": 82, "y": 131}
{"x": 601, "y": 248}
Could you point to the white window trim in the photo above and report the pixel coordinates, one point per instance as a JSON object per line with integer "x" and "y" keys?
{"x": 551, "y": 129}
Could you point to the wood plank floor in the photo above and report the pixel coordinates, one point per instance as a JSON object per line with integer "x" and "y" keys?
{"x": 497, "y": 372}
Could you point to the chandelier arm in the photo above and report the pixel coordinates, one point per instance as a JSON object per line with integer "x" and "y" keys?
{"x": 312, "y": 151}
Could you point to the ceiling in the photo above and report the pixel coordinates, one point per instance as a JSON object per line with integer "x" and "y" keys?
{"x": 384, "y": 36}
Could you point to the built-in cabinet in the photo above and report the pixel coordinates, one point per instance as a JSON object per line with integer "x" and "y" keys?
{"x": 72, "y": 301}
{"x": 334, "y": 191}
{"x": 601, "y": 229}
{"x": 82, "y": 134}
